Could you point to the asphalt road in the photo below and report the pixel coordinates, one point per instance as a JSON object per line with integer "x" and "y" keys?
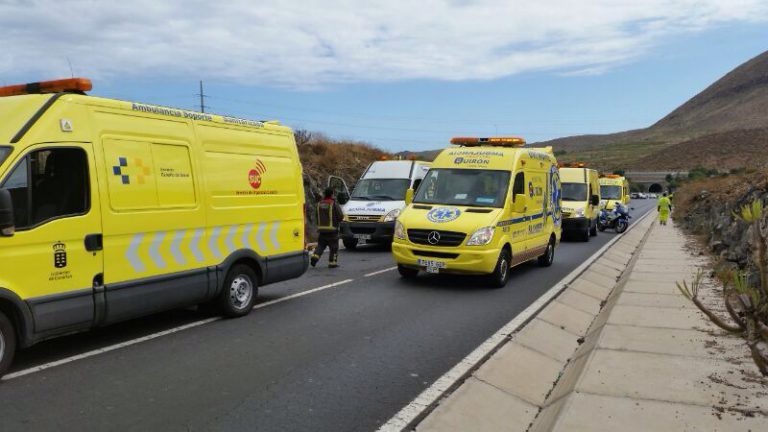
{"x": 345, "y": 358}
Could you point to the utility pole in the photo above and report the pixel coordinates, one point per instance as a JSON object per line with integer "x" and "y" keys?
{"x": 202, "y": 97}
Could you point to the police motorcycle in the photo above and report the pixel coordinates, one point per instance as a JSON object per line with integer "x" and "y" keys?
{"x": 617, "y": 219}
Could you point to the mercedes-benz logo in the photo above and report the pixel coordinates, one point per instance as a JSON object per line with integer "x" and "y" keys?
{"x": 433, "y": 237}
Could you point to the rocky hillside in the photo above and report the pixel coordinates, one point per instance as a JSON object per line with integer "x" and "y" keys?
{"x": 729, "y": 113}
{"x": 706, "y": 208}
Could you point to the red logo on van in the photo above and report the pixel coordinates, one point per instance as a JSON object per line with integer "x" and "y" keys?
{"x": 254, "y": 175}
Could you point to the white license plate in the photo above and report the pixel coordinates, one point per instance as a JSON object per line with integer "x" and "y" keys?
{"x": 432, "y": 264}
{"x": 363, "y": 237}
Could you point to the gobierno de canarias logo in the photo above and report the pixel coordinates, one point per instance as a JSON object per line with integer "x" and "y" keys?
{"x": 254, "y": 175}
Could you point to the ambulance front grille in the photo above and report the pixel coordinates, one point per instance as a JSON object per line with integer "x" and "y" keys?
{"x": 364, "y": 218}
{"x": 447, "y": 238}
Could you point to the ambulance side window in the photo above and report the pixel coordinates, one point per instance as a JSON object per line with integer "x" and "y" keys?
{"x": 519, "y": 185}
{"x": 49, "y": 184}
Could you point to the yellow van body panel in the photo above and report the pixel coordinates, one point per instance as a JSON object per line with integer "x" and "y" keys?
{"x": 622, "y": 192}
{"x": 526, "y": 234}
{"x": 176, "y": 197}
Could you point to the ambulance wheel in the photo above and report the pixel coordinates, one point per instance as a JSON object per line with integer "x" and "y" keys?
{"x": 7, "y": 343}
{"x": 350, "y": 244}
{"x": 407, "y": 272}
{"x": 548, "y": 258}
{"x": 500, "y": 275}
{"x": 593, "y": 230}
{"x": 584, "y": 236}
{"x": 239, "y": 293}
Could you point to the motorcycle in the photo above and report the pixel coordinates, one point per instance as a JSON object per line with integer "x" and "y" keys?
{"x": 617, "y": 219}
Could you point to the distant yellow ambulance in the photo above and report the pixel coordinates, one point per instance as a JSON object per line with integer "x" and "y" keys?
{"x": 484, "y": 207}
{"x": 581, "y": 200}
{"x": 111, "y": 210}
{"x": 613, "y": 188}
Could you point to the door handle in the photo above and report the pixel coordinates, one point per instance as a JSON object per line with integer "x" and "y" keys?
{"x": 94, "y": 242}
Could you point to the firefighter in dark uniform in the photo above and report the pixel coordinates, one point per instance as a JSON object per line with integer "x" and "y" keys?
{"x": 329, "y": 216}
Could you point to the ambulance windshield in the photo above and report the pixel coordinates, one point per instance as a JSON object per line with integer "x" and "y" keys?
{"x": 574, "y": 192}
{"x": 4, "y": 152}
{"x": 465, "y": 187}
{"x": 610, "y": 192}
{"x": 380, "y": 189}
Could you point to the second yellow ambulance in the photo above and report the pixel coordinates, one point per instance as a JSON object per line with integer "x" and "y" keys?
{"x": 581, "y": 200}
{"x": 613, "y": 188}
{"x": 485, "y": 206}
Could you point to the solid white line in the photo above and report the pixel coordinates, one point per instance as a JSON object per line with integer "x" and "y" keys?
{"x": 107, "y": 349}
{"x": 438, "y": 389}
{"x": 380, "y": 271}
{"x": 301, "y": 294}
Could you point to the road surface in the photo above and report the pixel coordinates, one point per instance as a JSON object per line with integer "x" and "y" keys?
{"x": 342, "y": 358}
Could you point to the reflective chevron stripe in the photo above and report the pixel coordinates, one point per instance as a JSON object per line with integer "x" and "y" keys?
{"x": 166, "y": 248}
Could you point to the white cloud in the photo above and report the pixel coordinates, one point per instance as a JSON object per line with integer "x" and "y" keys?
{"x": 305, "y": 43}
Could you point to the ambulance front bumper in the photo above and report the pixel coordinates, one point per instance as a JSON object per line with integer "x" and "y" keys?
{"x": 456, "y": 260}
{"x": 374, "y": 232}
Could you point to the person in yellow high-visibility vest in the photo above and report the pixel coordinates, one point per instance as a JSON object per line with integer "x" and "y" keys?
{"x": 329, "y": 216}
{"x": 664, "y": 206}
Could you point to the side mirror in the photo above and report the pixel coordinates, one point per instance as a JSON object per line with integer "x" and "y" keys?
{"x": 7, "y": 225}
{"x": 594, "y": 200}
{"x": 521, "y": 203}
{"x": 408, "y": 196}
{"x": 343, "y": 198}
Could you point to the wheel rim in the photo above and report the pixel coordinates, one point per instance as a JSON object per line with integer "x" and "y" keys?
{"x": 550, "y": 253}
{"x": 503, "y": 269}
{"x": 2, "y": 345}
{"x": 241, "y": 291}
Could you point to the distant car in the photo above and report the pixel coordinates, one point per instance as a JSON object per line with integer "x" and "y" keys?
{"x": 653, "y": 195}
{"x": 634, "y": 195}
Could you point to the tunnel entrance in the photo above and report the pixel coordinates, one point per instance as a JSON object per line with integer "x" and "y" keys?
{"x": 656, "y": 188}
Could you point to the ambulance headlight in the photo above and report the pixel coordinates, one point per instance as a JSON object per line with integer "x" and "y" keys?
{"x": 399, "y": 230}
{"x": 481, "y": 237}
{"x": 579, "y": 212}
{"x": 389, "y": 217}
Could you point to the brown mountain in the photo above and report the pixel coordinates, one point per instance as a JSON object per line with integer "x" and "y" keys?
{"x": 728, "y": 118}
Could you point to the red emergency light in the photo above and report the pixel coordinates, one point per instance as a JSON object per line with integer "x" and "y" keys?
{"x": 77, "y": 85}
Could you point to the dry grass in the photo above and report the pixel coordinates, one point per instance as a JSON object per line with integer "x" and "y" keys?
{"x": 717, "y": 190}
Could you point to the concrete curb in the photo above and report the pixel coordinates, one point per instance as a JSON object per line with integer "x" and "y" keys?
{"x": 520, "y": 373}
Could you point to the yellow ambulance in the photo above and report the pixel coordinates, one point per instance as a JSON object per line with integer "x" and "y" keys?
{"x": 581, "y": 200}
{"x": 111, "y": 210}
{"x": 613, "y": 188}
{"x": 485, "y": 206}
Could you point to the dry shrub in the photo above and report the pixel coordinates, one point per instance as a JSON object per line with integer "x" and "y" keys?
{"x": 717, "y": 190}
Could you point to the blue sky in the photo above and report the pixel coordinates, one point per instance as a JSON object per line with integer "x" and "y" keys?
{"x": 408, "y": 88}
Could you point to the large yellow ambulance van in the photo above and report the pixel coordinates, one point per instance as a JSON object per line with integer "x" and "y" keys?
{"x": 111, "y": 210}
{"x": 581, "y": 200}
{"x": 613, "y": 188}
{"x": 484, "y": 207}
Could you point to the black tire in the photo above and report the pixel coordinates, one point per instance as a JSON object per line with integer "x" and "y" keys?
{"x": 600, "y": 227}
{"x": 350, "y": 244}
{"x": 500, "y": 275}
{"x": 593, "y": 230}
{"x": 548, "y": 258}
{"x": 407, "y": 272}
{"x": 238, "y": 294}
{"x": 584, "y": 236}
{"x": 7, "y": 343}
{"x": 621, "y": 226}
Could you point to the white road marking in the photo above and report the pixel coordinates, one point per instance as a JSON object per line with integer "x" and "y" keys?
{"x": 426, "y": 400}
{"x": 380, "y": 271}
{"x": 152, "y": 336}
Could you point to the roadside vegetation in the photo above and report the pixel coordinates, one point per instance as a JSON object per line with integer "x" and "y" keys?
{"x": 730, "y": 213}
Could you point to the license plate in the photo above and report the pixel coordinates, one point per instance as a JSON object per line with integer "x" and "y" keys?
{"x": 363, "y": 237}
{"x": 433, "y": 270}
{"x": 432, "y": 264}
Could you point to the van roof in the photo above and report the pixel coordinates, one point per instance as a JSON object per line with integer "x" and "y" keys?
{"x": 489, "y": 157}
{"x": 20, "y": 113}
{"x": 393, "y": 169}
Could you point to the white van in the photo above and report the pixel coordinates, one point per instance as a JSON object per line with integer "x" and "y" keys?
{"x": 377, "y": 200}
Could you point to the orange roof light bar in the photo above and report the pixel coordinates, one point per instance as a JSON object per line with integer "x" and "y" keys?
{"x": 610, "y": 176}
{"x": 494, "y": 141}
{"x": 572, "y": 165}
{"x": 63, "y": 85}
